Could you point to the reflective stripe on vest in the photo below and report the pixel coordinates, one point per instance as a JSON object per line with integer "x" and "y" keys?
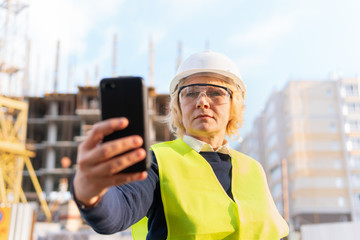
{"x": 197, "y": 207}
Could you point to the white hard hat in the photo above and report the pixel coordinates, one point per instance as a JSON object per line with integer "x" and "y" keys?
{"x": 208, "y": 61}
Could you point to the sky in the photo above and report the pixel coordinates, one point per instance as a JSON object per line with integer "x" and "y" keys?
{"x": 272, "y": 42}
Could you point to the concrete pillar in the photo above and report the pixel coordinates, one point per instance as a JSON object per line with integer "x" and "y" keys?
{"x": 50, "y": 152}
{"x": 49, "y": 185}
{"x": 54, "y": 109}
{"x": 52, "y": 133}
{"x": 50, "y": 164}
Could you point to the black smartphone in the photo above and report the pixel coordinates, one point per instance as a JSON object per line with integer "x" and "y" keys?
{"x": 127, "y": 97}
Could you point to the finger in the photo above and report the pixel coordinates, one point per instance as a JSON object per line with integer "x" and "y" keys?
{"x": 124, "y": 178}
{"x": 117, "y": 164}
{"x": 102, "y": 129}
{"x": 120, "y": 179}
{"x": 111, "y": 149}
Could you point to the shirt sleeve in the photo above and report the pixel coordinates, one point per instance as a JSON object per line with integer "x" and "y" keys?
{"x": 122, "y": 206}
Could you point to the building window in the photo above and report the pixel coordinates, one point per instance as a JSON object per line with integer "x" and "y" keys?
{"x": 329, "y": 92}
{"x": 337, "y": 164}
{"x": 341, "y": 202}
{"x": 353, "y": 107}
{"x": 279, "y": 206}
{"x": 335, "y": 146}
{"x": 273, "y": 157}
{"x": 276, "y": 190}
{"x": 276, "y": 173}
{"x": 354, "y": 143}
{"x": 356, "y": 198}
{"x": 271, "y": 140}
{"x": 356, "y": 180}
{"x": 351, "y": 90}
{"x": 353, "y": 125}
{"x": 354, "y": 162}
{"x": 332, "y": 127}
{"x": 339, "y": 183}
{"x": 271, "y": 125}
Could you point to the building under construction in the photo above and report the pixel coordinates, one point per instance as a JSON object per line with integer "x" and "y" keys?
{"x": 57, "y": 123}
{"x": 39, "y": 135}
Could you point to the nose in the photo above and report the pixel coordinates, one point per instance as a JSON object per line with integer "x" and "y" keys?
{"x": 202, "y": 101}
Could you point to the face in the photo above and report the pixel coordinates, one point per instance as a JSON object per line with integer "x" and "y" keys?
{"x": 202, "y": 117}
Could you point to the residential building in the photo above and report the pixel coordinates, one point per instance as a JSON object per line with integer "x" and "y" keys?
{"x": 308, "y": 140}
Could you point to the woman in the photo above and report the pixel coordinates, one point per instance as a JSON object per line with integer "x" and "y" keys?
{"x": 197, "y": 187}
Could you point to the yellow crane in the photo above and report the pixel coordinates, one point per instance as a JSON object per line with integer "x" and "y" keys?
{"x": 14, "y": 155}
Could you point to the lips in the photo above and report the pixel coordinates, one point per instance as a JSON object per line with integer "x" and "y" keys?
{"x": 203, "y": 115}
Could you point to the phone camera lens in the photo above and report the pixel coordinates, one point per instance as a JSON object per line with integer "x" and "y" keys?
{"x": 113, "y": 85}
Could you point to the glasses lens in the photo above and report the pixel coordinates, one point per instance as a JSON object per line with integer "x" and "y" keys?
{"x": 215, "y": 94}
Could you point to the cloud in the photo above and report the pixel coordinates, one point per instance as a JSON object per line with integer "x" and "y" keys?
{"x": 247, "y": 64}
{"x": 69, "y": 22}
{"x": 188, "y": 7}
{"x": 267, "y": 31}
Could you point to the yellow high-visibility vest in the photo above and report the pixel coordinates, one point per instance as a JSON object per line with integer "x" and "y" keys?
{"x": 197, "y": 207}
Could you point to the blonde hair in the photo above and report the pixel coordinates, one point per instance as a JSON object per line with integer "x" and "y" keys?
{"x": 237, "y": 108}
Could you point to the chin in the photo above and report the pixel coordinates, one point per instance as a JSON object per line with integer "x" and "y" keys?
{"x": 203, "y": 131}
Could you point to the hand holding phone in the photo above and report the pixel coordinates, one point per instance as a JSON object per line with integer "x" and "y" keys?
{"x": 127, "y": 97}
{"x": 97, "y": 163}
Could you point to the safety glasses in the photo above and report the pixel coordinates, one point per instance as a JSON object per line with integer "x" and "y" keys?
{"x": 216, "y": 94}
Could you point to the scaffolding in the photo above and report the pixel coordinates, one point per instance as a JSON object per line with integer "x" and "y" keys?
{"x": 14, "y": 155}
{"x": 14, "y": 47}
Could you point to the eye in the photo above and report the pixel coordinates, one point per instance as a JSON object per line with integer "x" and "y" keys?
{"x": 215, "y": 93}
{"x": 191, "y": 94}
